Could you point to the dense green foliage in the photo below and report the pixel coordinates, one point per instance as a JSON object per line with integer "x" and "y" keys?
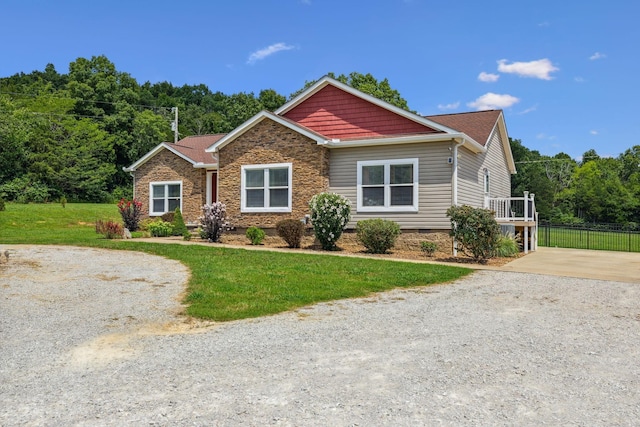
{"x": 596, "y": 189}
{"x": 71, "y": 134}
{"x": 291, "y": 231}
{"x": 475, "y": 230}
{"x": 179, "y": 227}
{"x": 255, "y": 235}
{"x": 228, "y": 284}
{"x": 377, "y": 235}
{"x": 160, "y": 228}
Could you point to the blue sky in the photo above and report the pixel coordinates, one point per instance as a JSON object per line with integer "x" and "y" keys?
{"x": 565, "y": 72}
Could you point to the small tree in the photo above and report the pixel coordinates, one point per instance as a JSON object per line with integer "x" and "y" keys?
{"x": 475, "y": 230}
{"x": 330, "y": 214}
{"x": 131, "y": 211}
{"x": 179, "y": 227}
{"x": 213, "y": 221}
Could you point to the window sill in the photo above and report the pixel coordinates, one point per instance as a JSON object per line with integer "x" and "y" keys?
{"x": 379, "y": 209}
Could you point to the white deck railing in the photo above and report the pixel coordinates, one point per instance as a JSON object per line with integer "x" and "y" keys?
{"x": 509, "y": 209}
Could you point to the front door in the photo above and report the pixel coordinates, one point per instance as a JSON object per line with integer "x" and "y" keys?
{"x": 214, "y": 187}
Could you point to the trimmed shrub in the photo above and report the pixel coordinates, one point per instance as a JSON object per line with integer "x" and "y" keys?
{"x": 109, "y": 229}
{"x": 330, "y": 214}
{"x": 475, "y": 230}
{"x": 160, "y": 228}
{"x": 179, "y": 227}
{"x": 428, "y": 248}
{"x": 213, "y": 221}
{"x": 255, "y": 235}
{"x": 2, "y": 205}
{"x": 377, "y": 235}
{"x": 291, "y": 231}
{"x": 63, "y": 201}
{"x": 130, "y": 211}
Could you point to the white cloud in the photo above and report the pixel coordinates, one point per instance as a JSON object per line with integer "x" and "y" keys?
{"x": 267, "y": 51}
{"x": 451, "y": 106}
{"x": 579, "y": 79}
{"x": 305, "y": 1}
{"x": 492, "y": 101}
{"x": 529, "y": 110}
{"x": 597, "y": 55}
{"x": 545, "y": 136}
{"x": 593, "y": 132}
{"x": 544, "y": 24}
{"x": 488, "y": 77}
{"x": 539, "y": 69}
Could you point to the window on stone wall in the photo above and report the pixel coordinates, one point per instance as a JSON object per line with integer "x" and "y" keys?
{"x": 388, "y": 185}
{"x": 266, "y": 188}
{"x": 165, "y": 197}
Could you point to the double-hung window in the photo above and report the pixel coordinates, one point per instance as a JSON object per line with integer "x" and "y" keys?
{"x": 266, "y": 188}
{"x": 165, "y": 197}
{"x": 388, "y": 185}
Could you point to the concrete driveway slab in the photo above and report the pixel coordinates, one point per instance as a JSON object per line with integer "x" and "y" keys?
{"x": 589, "y": 264}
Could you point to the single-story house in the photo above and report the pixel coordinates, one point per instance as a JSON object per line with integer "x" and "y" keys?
{"x": 390, "y": 163}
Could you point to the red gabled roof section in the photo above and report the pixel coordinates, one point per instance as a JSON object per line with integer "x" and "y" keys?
{"x": 477, "y": 124}
{"x": 337, "y": 114}
{"x": 193, "y": 147}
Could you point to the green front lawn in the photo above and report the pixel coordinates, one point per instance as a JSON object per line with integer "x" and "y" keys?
{"x": 228, "y": 284}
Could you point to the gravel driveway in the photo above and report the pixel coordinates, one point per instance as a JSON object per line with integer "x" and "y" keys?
{"x": 93, "y": 337}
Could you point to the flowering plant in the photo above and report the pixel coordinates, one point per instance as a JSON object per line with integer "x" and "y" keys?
{"x": 213, "y": 221}
{"x": 330, "y": 213}
{"x": 131, "y": 211}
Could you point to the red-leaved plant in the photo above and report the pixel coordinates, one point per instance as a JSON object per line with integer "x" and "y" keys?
{"x": 131, "y": 211}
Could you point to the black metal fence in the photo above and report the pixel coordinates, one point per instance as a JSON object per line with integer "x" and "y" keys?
{"x": 609, "y": 237}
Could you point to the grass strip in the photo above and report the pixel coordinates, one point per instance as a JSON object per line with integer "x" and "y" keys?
{"x": 229, "y": 284}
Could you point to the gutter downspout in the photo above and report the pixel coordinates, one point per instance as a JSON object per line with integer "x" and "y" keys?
{"x": 134, "y": 179}
{"x": 454, "y": 183}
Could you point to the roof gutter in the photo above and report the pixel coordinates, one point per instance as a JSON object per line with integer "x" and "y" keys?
{"x": 412, "y": 139}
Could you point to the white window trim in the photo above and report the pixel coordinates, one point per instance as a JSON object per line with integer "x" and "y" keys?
{"x": 387, "y": 191}
{"x": 243, "y": 197}
{"x": 166, "y": 199}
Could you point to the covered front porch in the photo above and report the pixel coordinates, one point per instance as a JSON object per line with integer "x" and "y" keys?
{"x": 517, "y": 215}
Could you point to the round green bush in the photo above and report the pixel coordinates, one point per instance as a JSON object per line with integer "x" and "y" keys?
{"x": 160, "y": 228}
{"x": 377, "y": 235}
{"x": 255, "y": 235}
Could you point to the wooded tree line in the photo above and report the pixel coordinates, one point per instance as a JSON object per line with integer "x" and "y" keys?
{"x": 70, "y": 134}
{"x": 595, "y": 189}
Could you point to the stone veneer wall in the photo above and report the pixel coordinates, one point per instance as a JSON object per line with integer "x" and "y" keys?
{"x": 166, "y": 166}
{"x": 265, "y": 143}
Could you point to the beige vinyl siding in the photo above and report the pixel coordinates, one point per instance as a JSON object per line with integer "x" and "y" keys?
{"x": 434, "y": 184}
{"x": 471, "y": 173}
